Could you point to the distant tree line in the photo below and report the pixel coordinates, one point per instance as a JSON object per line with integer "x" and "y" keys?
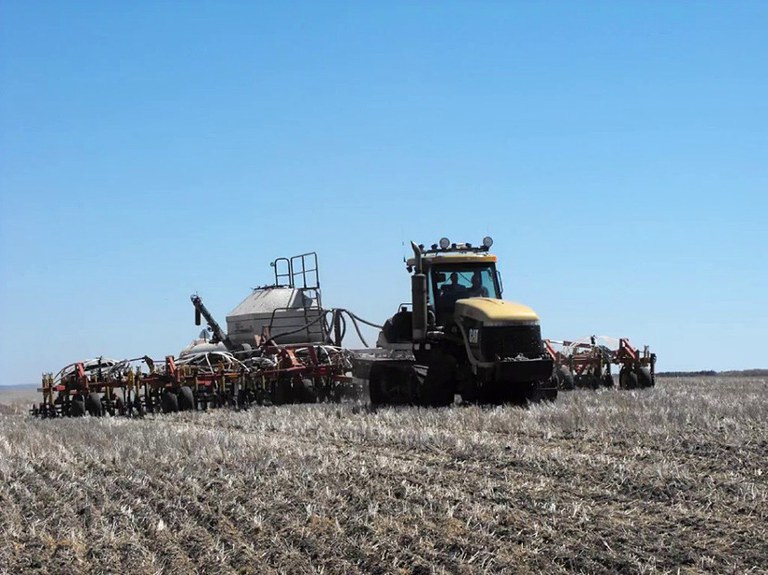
{"x": 711, "y": 372}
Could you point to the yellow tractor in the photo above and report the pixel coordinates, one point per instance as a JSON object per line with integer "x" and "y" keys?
{"x": 458, "y": 337}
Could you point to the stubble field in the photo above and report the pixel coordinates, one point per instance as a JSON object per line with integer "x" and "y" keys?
{"x": 665, "y": 480}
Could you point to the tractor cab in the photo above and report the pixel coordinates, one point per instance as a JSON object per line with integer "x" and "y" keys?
{"x": 461, "y": 336}
{"x": 450, "y": 282}
{"x": 455, "y": 272}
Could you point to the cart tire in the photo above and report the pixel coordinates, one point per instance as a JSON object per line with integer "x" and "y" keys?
{"x": 93, "y": 404}
{"x": 170, "y": 402}
{"x": 186, "y": 399}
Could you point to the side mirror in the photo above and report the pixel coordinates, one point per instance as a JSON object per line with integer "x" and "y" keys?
{"x": 440, "y": 277}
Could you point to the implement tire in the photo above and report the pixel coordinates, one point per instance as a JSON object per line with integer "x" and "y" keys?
{"x": 170, "y": 402}
{"x": 93, "y": 404}
{"x": 627, "y": 379}
{"x": 644, "y": 378}
{"x": 282, "y": 391}
{"x": 186, "y": 399}
{"x": 77, "y": 407}
{"x": 564, "y": 377}
{"x": 306, "y": 391}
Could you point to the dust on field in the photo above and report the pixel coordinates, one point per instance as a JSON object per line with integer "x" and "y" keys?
{"x": 671, "y": 479}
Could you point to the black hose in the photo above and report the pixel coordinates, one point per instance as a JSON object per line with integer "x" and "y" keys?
{"x": 305, "y": 326}
{"x": 328, "y": 327}
{"x": 361, "y": 320}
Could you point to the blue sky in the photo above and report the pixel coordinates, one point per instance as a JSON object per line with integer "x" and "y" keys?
{"x": 616, "y": 152}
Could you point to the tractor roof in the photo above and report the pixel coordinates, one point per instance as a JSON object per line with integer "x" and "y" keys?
{"x": 455, "y": 258}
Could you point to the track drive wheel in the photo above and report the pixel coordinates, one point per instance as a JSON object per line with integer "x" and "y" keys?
{"x": 550, "y": 394}
{"x": 391, "y": 384}
{"x": 542, "y": 395}
{"x": 186, "y": 398}
{"x": 438, "y": 387}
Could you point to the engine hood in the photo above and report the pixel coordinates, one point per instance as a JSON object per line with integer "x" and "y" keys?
{"x": 492, "y": 311}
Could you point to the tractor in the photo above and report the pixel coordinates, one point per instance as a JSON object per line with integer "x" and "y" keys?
{"x": 458, "y": 337}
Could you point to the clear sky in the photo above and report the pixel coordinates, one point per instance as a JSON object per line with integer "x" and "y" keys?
{"x": 616, "y": 151}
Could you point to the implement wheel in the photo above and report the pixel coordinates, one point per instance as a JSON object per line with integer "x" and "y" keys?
{"x": 644, "y": 378}
{"x": 138, "y": 407}
{"x": 627, "y": 378}
{"x": 170, "y": 402}
{"x": 607, "y": 380}
{"x": 77, "y": 407}
{"x": 306, "y": 391}
{"x": 564, "y": 377}
{"x": 93, "y": 404}
{"x": 186, "y": 399}
{"x": 282, "y": 391}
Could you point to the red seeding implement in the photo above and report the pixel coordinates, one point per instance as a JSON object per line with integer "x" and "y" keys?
{"x": 281, "y": 347}
{"x": 457, "y": 336}
{"x": 272, "y": 374}
{"x": 587, "y": 363}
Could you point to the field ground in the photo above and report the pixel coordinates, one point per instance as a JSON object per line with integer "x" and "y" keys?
{"x": 667, "y": 480}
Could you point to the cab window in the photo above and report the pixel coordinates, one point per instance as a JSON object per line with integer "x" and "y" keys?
{"x": 450, "y": 283}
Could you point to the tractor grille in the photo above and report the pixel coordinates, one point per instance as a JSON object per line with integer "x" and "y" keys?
{"x": 511, "y": 341}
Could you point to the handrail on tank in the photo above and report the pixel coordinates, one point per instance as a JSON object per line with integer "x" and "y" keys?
{"x": 293, "y": 271}
{"x": 287, "y": 274}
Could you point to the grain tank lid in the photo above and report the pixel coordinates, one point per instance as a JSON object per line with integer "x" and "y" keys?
{"x": 266, "y": 300}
